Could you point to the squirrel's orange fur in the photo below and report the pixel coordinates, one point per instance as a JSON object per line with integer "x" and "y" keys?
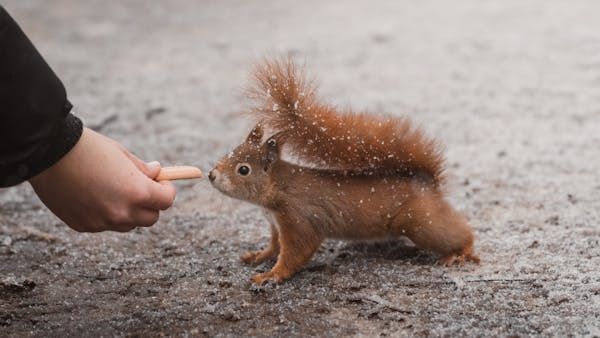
{"x": 365, "y": 177}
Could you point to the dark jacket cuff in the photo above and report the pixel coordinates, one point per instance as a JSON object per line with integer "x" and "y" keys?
{"x": 65, "y": 138}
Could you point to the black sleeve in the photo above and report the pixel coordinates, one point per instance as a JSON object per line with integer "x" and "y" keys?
{"x": 36, "y": 126}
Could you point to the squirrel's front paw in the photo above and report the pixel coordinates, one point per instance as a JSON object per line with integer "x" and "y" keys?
{"x": 261, "y": 278}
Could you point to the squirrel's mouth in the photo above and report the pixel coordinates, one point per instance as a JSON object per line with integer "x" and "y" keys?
{"x": 218, "y": 186}
{"x": 219, "y": 181}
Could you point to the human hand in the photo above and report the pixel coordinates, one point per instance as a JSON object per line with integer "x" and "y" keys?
{"x": 99, "y": 186}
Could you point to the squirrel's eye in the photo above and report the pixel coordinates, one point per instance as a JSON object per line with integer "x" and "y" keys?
{"x": 243, "y": 170}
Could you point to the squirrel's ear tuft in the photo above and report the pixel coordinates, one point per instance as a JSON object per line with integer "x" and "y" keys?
{"x": 272, "y": 150}
{"x": 255, "y": 135}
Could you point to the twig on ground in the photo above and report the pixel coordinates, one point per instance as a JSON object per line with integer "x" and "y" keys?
{"x": 155, "y": 111}
{"x": 380, "y": 301}
{"x": 509, "y": 280}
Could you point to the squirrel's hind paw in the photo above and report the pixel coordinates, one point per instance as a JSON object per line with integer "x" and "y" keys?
{"x": 459, "y": 259}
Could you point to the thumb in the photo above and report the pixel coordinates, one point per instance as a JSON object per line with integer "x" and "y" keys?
{"x": 150, "y": 169}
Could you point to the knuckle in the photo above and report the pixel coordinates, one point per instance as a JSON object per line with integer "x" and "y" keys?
{"x": 149, "y": 220}
{"x": 153, "y": 219}
{"x": 169, "y": 203}
{"x": 171, "y": 193}
{"x": 140, "y": 193}
{"x": 118, "y": 218}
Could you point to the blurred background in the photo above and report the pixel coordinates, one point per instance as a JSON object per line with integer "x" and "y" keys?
{"x": 509, "y": 87}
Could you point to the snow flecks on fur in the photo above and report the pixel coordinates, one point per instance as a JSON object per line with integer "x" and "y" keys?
{"x": 285, "y": 102}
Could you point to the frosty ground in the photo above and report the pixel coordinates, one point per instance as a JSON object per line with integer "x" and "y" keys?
{"x": 511, "y": 88}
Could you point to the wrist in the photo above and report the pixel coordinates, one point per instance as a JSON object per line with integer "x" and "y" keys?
{"x": 46, "y": 156}
{"x": 73, "y": 139}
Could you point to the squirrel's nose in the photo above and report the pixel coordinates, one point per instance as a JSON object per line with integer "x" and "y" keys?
{"x": 211, "y": 175}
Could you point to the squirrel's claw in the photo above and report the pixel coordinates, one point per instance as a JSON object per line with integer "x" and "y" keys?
{"x": 459, "y": 259}
{"x": 465, "y": 255}
{"x": 261, "y": 278}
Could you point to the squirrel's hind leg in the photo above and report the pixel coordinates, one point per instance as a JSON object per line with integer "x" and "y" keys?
{"x": 436, "y": 226}
{"x": 298, "y": 242}
{"x": 271, "y": 251}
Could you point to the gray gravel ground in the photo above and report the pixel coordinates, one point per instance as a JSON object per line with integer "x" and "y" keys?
{"x": 510, "y": 87}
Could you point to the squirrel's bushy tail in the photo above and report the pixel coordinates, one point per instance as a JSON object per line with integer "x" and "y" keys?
{"x": 285, "y": 102}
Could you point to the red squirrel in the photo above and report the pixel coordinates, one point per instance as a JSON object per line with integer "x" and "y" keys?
{"x": 357, "y": 176}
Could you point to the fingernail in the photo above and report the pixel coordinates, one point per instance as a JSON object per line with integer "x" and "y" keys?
{"x": 153, "y": 165}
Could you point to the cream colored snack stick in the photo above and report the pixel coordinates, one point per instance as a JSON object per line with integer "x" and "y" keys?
{"x": 178, "y": 173}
